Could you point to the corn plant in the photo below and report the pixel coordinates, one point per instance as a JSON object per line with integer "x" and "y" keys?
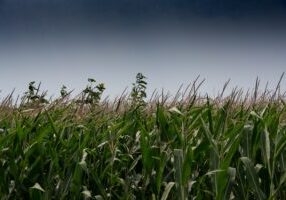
{"x": 231, "y": 147}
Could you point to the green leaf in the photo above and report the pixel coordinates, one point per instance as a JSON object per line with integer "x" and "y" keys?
{"x": 253, "y": 177}
{"x": 178, "y": 160}
{"x": 37, "y": 186}
{"x": 175, "y": 110}
{"x": 167, "y": 190}
{"x": 86, "y": 193}
{"x": 82, "y": 163}
{"x": 91, "y": 80}
{"x": 231, "y": 172}
{"x": 266, "y": 148}
{"x": 208, "y": 135}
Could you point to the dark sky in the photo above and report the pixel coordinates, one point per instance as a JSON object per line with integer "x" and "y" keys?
{"x": 132, "y": 10}
{"x": 48, "y": 18}
{"x": 136, "y": 7}
{"x": 32, "y": 18}
{"x": 170, "y": 41}
{"x": 36, "y": 16}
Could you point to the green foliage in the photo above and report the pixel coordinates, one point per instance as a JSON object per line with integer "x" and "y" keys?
{"x": 64, "y": 91}
{"x": 138, "y": 93}
{"x": 92, "y": 93}
{"x": 32, "y": 95}
{"x": 196, "y": 149}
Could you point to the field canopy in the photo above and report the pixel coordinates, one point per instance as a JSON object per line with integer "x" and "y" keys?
{"x": 189, "y": 146}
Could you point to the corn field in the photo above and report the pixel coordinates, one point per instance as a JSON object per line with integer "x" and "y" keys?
{"x": 189, "y": 146}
